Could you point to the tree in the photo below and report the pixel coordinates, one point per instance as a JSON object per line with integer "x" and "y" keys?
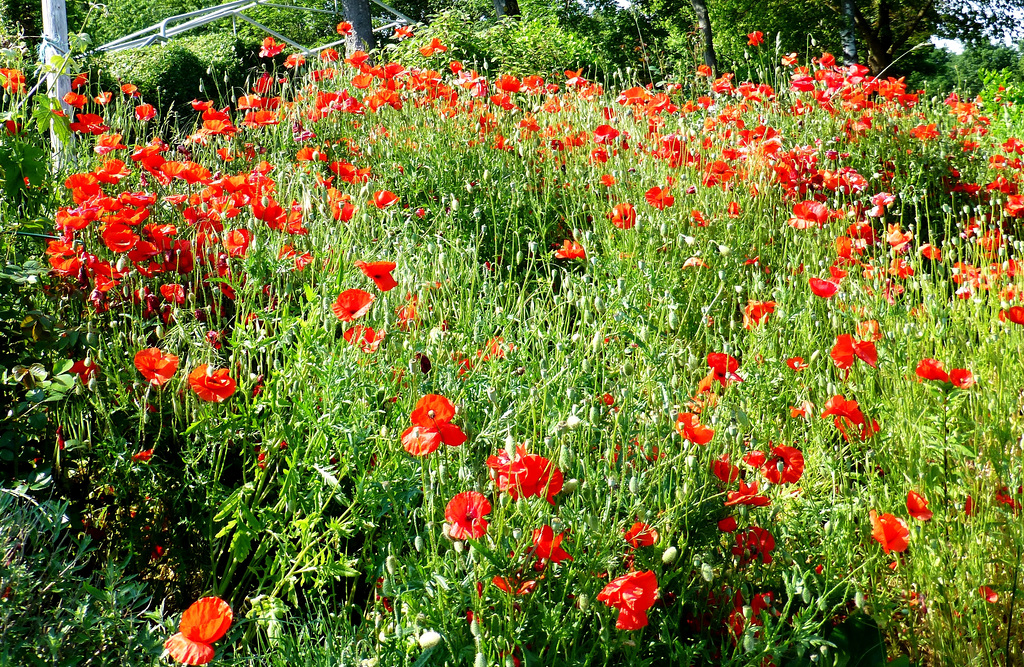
{"x": 700, "y": 8}
{"x": 506, "y": 8}
{"x": 889, "y": 28}
{"x": 357, "y": 12}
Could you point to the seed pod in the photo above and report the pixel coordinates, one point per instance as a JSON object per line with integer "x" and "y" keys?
{"x": 429, "y": 639}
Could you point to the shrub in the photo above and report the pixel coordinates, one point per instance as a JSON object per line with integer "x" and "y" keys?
{"x": 169, "y": 73}
{"x": 54, "y": 609}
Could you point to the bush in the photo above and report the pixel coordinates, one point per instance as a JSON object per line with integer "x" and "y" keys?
{"x": 167, "y": 76}
{"x": 206, "y": 66}
{"x": 537, "y": 44}
{"x": 53, "y": 610}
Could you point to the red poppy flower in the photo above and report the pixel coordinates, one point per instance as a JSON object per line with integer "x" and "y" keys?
{"x": 623, "y": 216}
{"x": 465, "y": 515}
{"x": 571, "y": 250}
{"x": 757, "y": 312}
{"x": 201, "y": 625}
{"x": 84, "y": 369}
{"x": 352, "y": 304}
{"x": 366, "y": 338}
{"x": 156, "y": 366}
{"x": 727, "y": 525}
{"x": 809, "y": 214}
{"x": 917, "y": 506}
{"x": 753, "y": 544}
{"x": 826, "y": 289}
{"x": 889, "y": 531}
{"x": 785, "y": 467}
{"x": 270, "y": 48}
{"x": 962, "y": 378}
{"x": 431, "y": 425}
{"x": 688, "y": 425}
{"x": 379, "y": 273}
{"x": 632, "y": 594}
{"x": 746, "y": 495}
{"x": 659, "y": 198}
{"x": 145, "y": 112}
{"x": 237, "y": 241}
{"x": 988, "y": 595}
{"x": 435, "y": 46}
{"x": 344, "y": 28}
{"x": 847, "y": 349}
{"x": 796, "y": 363}
{"x": 755, "y": 38}
{"x": 641, "y": 535}
{"x": 525, "y": 475}
{"x": 1013, "y": 314}
{"x": 546, "y": 545}
{"x": 515, "y": 586}
{"x": 723, "y": 368}
{"x": 384, "y": 198}
{"x": 931, "y": 369}
{"x": 724, "y": 470}
{"x": 215, "y": 387}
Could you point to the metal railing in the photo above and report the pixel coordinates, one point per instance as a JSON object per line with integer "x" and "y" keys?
{"x": 175, "y": 25}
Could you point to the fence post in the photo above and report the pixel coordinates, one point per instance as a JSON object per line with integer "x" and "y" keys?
{"x": 55, "y": 43}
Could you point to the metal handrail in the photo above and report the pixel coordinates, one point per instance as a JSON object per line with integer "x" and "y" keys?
{"x": 167, "y": 28}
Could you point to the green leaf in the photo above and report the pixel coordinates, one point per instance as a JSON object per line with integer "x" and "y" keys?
{"x": 240, "y": 545}
{"x": 859, "y": 641}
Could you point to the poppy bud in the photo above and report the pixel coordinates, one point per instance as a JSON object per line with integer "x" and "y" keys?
{"x": 417, "y": 543}
{"x": 429, "y": 639}
{"x": 583, "y": 601}
{"x": 391, "y": 563}
{"x": 481, "y": 659}
{"x": 669, "y": 556}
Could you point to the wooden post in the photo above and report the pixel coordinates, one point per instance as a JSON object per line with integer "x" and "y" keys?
{"x": 55, "y": 43}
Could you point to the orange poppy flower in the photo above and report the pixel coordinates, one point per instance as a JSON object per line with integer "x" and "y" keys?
{"x": 201, "y": 625}
{"x": 571, "y": 250}
{"x": 756, "y": 312}
{"x": 215, "y": 387}
{"x": 352, "y": 304}
{"x": 889, "y": 531}
{"x": 237, "y": 241}
{"x": 155, "y": 365}
{"x": 383, "y": 199}
{"x": 366, "y": 338}
{"x": 917, "y": 506}
{"x": 623, "y": 216}
{"x": 688, "y": 425}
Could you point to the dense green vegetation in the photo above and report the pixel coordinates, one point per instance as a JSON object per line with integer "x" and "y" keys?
{"x": 647, "y": 366}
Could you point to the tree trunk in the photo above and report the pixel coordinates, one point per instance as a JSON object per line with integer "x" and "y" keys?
{"x": 877, "y": 38}
{"x": 357, "y": 12}
{"x": 700, "y": 8}
{"x": 849, "y": 34}
{"x": 507, "y": 8}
